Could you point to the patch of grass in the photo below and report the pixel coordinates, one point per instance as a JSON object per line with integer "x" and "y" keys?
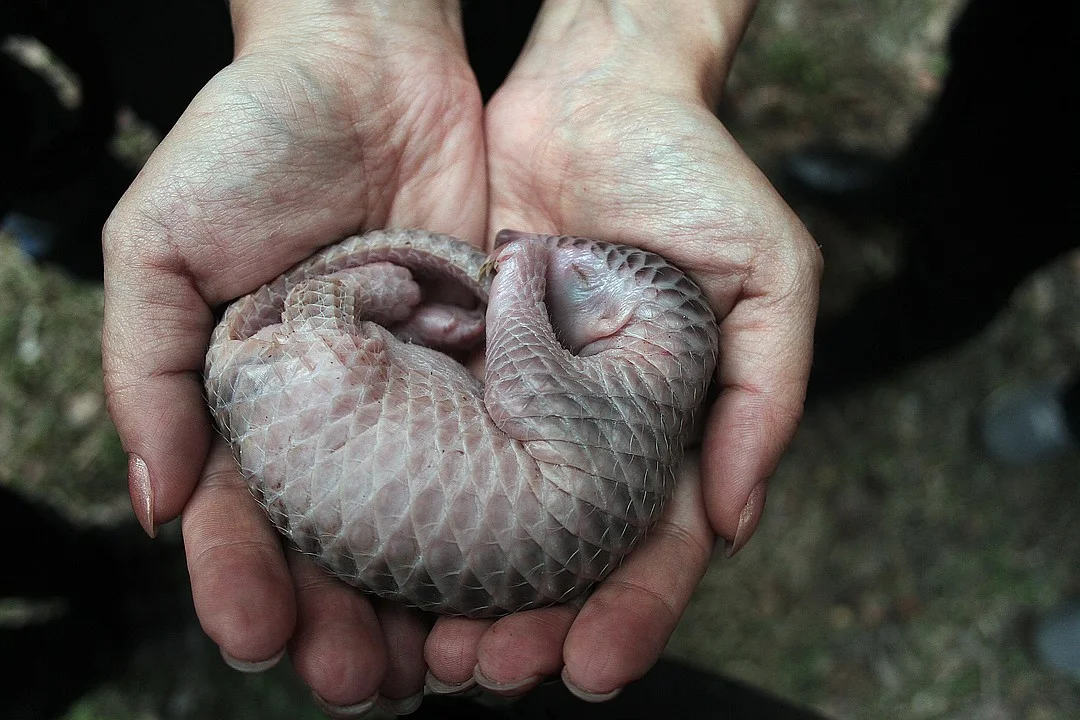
{"x": 56, "y": 440}
{"x": 792, "y": 61}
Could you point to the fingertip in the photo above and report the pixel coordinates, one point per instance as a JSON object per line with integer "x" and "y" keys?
{"x": 240, "y": 584}
{"x": 351, "y": 710}
{"x": 168, "y": 441}
{"x": 401, "y": 706}
{"x": 337, "y": 647}
{"x": 160, "y": 478}
{"x": 244, "y": 605}
{"x": 249, "y": 666}
{"x": 742, "y": 446}
{"x": 613, "y": 642}
{"x": 450, "y": 652}
{"x": 626, "y": 623}
{"x": 579, "y": 692}
{"x": 520, "y": 650}
{"x": 435, "y": 686}
{"x": 404, "y": 633}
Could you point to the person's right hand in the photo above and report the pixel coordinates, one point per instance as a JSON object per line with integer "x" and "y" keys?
{"x": 333, "y": 118}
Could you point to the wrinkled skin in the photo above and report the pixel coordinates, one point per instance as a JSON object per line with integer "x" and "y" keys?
{"x": 334, "y": 121}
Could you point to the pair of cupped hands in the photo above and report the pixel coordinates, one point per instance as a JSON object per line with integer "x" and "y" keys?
{"x": 341, "y": 117}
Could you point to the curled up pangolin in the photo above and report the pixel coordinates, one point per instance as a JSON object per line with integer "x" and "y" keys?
{"x": 376, "y": 451}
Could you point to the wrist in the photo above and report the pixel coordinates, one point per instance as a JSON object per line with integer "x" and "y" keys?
{"x": 680, "y": 43}
{"x": 362, "y": 27}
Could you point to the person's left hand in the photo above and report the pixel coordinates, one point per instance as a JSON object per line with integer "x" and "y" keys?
{"x": 605, "y": 129}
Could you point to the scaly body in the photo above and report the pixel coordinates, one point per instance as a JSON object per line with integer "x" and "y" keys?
{"x": 406, "y": 476}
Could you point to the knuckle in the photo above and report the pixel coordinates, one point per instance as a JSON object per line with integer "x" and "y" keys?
{"x": 137, "y": 239}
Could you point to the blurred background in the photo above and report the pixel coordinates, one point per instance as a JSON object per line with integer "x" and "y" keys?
{"x": 916, "y": 534}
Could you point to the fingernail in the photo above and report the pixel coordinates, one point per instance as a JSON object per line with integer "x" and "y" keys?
{"x": 355, "y": 710}
{"x": 438, "y": 687}
{"x": 401, "y": 706}
{"x": 748, "y": 520}
{"x": 585, "y": 694}
{"x": 142, "y": 493}
{"x": 507, "y": 236}
{"x": 258, "y": 666}
{"x": 514, "y": 686}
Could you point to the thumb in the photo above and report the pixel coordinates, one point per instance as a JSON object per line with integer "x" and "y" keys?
{"x": 155, "y": 332}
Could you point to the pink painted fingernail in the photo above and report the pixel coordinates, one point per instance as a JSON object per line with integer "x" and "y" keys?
{"x": 748, "y": 520}
{"x": 142, "y": 493}
{"x": 355, "y": 710}
{"x": 585, "y": 694}
{"x": 438, "y": 687}
{"x": 257, "y": 666}
{"x": 401, "y": 706}
{"x": 505, "y": 688}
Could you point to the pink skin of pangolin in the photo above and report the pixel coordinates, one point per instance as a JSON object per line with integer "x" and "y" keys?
{"x": 406, "y": 476}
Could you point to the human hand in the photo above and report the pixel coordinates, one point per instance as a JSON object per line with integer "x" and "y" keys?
{"x": 605, "y": 129}
{"x": 329, "y": 121}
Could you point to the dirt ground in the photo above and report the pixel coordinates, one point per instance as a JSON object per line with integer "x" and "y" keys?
{"x": 897, "y": 567}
